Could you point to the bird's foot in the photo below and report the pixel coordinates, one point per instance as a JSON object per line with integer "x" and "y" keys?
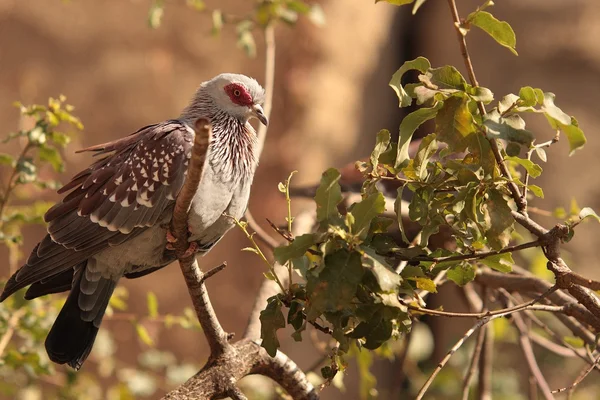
{"x": 171, "y": 240}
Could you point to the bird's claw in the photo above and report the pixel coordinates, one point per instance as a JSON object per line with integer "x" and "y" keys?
{"x": 171, "y": 240}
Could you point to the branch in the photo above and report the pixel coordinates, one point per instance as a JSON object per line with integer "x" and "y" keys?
{"x": 474, "y": 256}
{"x": 10, "y": 329}
{"x": 468, "y": 379}
{"x": 532, "y": 364}
{"x": 227, "y": 363}
{"x": 269, "y": 84}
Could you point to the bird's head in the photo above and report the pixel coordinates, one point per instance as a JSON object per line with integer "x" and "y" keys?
{"x": 237, "y": 95}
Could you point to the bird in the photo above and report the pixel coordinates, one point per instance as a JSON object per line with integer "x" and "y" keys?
{"x": 113, "y": 220}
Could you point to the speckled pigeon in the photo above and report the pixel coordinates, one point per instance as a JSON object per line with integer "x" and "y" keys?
{"x": 114, "y": 220}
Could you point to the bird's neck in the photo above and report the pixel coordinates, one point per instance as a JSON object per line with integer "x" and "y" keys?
{"x": 232, "y": 151}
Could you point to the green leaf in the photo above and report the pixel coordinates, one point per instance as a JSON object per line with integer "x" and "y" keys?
{"x": 381, "y": 145}
{"x": 155, "y": 14}
{"x": 532, "y": 168}
{"x": 427, "y": 148}
{"x": 480, "y": 153}
{"x": 246, "y": 40}
{"x": 576, "y": 342}
{"x": 444, "y": 78}
{"x": 528, "y": 97}
{"x": 588, "y": 212}
{"x": 316, "y": 15}
{"x": 6, "y": 159}
{"x": 398, "y": 210}
{"x": 409, "y": 125}
{"x": 500, "y": 31}
{"x": 328, "y": 196}
{"x": 152, "y": 305}
{"x": 51, "y": 156}
{"x": 418, "y": 4}
{"x": 461, "y": 274}
{"x": 560, "y": 120}
{"x": 386, "y": 279}
{"x": 295, "y": 249}
{"x": 501, "y": 221}
{"x": 144, "y": 335}
{"x": 197, "y": 5}
{"x": 295, "y": 315}
{"x": 271, "y": 320}
{"x": 335, "y": 286}
{"x": 426, "y": 284}
{"x": 554, "y": 112}
{"x": 536, "y": 190}
{"x": 395, "y": 2}
{"x": 365, "y": 211}
{"x": 499, "y": 262}
{"x": 420, "y": 63}
{"x": 454, "y": 123}
{"x": 510, "y": 128}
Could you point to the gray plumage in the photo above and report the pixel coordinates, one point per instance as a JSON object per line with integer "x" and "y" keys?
{"x": 113, "y": 221}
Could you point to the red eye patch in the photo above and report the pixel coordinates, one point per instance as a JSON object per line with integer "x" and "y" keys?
{"x": 238, "y": 94}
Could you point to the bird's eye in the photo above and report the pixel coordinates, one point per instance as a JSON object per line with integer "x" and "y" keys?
{"x": 237, "y": 93}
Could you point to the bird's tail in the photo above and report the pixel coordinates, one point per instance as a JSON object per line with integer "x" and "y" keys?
{"x": 72, "y": 336}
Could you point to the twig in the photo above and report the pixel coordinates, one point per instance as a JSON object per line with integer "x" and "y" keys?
{"x": 474, "y": 256}
{"x": 534, "y": 369}
{"x": 262, "y": 234}
{"x": 401, "y": 359}
{"x": 468, "y": 379}
{"x": 269, "y": 84}
{"x": 13, "y": 321}
{"x": 484, "y": 390}
{"x": 580, "y": 378}
{"x": 454, "y": 348}
{"x": 530, "y": 305}
{"x": 11, "y": 181}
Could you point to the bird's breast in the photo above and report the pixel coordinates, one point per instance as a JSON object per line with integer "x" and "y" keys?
{"x": 215, "y": 202}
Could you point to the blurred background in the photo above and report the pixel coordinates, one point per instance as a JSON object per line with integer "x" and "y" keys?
{"x": 330, "y": 99}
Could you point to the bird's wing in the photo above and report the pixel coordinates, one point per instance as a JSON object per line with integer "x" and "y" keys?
{"x": 113, "y": 200}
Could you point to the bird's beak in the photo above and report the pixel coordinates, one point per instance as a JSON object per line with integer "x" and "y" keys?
{"x": 259, "y": 113}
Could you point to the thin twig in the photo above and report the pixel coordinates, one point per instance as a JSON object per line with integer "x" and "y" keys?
{"x": 484, "y": 389}
{"x": 454, "y": 348}
{"x": 13, "y": 321}
{"x": 11, "y": 184}
{"x": 530, "y": 305}
{"x": 262, "y": 234}
{"x": 580, "y": 378}
{"x": 532, "y": 364}
{"x": 269, "y": 84}
{"x": 468, "y": 379}
{"x": 473, "y": 256}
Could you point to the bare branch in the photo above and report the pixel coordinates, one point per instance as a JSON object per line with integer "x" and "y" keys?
{"x": 484, "y": 390}
{"x": 12, "y": 323}
{"x": 269, "y": 84}
{"x": 260, "y": 232}
{"x": 525, "y": 344}
{"x": 468, "y": 379}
